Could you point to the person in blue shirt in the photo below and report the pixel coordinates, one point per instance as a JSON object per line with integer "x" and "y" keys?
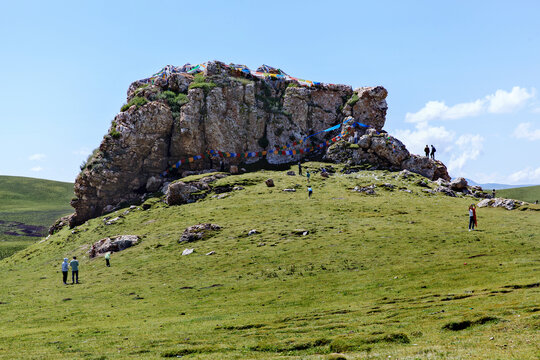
{"x": 74, "y": 270}
{"x": 310, "y": 191}
{"x": 65, "y": 268}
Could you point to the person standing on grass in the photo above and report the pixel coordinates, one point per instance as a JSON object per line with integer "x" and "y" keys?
{"x": 493, "y": 194}
{"x": 299, "y": 167}
{"x": 107, "y": 259}
{"x": 472, "y": 217}
{"x": 65, "y": 269}
{"x": 308, "y": 175}
{"x": 309, "y": 191}
{"x": 74, "y": 270}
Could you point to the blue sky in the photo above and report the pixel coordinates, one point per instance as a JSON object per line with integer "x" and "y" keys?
{"x": 461, "y": 75}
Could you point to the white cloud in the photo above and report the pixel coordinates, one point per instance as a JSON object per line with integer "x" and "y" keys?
{"x": 36, "y": 169}
{"x": 499, "y": 102}
{"x": 505, "y": 102}
{"x": 469, "y": 146}
{"x": 36, "y": 157}
{"x": 525, "y": 131}
{"x": 525, "y": 176}
{"x": 416, "y": 140}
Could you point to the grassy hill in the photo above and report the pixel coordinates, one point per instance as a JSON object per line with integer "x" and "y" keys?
{"x": 392, "y": 275}
{"x": 528, "y": 193}
{"x": 27, "y": 208}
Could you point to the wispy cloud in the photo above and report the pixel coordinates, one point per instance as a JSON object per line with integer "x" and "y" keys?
{"x": 526, "y": 176}
{"x": 525, "y": 131}
{"x": 36, "y": 169}
{"x": 505, "y": 102}
{"x": 500, "y": 102}
{"x": 469, "y": 146}
{"x": 37, "y": 157}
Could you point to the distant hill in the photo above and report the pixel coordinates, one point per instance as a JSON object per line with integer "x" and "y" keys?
{"x": 28, "y": 207}
{"x": 496, "y": 186}
{"x": 528, "y": 193}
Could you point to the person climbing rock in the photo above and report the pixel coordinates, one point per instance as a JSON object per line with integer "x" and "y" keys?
{"x": 65, "y": 269}
{"x": 108, "y": 259}
{"x": 310, "y": 191}
{"x": 426, "y": 150}
{"x": 472, "y": 217}
{"x": 433, "y": 152}
{"x": 74, "y": 270}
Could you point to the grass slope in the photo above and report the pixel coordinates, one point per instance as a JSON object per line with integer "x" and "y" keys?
{"x": 27, "y": 208}
{"x": 528, "y": 193}
{"x": 392, "y": 275}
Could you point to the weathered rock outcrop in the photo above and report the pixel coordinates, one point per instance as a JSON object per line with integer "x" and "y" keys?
{"x": 382, "y": 151}
{"x": 115, "y": 244}
{"x": 181, "y": 115}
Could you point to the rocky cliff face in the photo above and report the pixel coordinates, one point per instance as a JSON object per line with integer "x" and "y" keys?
{"x": 181, "y": 115}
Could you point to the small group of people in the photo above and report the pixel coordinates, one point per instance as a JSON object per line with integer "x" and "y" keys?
{"x": 74, "y": 264}
{"x": 426, "y": 150}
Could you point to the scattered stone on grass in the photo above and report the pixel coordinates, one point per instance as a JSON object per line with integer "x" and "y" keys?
{"x": 290, "y": 190}
{"x": 458, "y": 184}
{"x": 508, "y": 204}
{"x": 446, "y": 191}
{"x": 269, "y": 183}
{"x": 199, "y": 232}
{"x": 368, "y": 190}
{"x": 253, "y": 232}
{"x": 112, "y": 221}
{"x": 236, "y": 188}
{"x": 210, "y": 253}
{"x": 291, "y": 173}
{"x": 114, "y": 244}
{"x": 187, "y": 251}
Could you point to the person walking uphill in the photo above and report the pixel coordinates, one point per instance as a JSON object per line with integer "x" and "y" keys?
{"x": 309, "y": 191}
{"x": 74, "y": 270}
{"x": 472, "y": 217}
{"x": 426, "y": 150}
{"x": 107, "y": 259}
{"x": 65, "y": 269}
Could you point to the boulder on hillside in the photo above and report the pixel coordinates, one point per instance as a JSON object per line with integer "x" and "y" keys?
{"x": 180, "y": 192}
{"x": 114, "y": 244}
{"x": 269, "y": 183}
{"x": 458, "y": 184}
{"x": 508, "y": 204}
{"x": 198, "y": 232}
{"x": 59, "y": 224}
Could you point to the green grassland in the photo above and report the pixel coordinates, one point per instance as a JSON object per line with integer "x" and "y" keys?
{"x": 528, "y": 193}
{"x": 27, "y": 208}
{"x": 394, "y": 275}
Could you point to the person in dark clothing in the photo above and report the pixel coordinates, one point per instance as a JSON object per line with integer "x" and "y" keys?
{"x": 108, "y": 259}
{"x": 426, "y": 150}
{"x": 493, "y": 194}
{"x": 300, "y": 168}
{"x": 221, "y": 166}
{"x": 310, "y": 191}
{"x": 433, "y": 152}
{"x": 472, "y": 217}
{"x": 74, "y": 270}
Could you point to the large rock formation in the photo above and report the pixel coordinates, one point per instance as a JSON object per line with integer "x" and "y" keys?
{"x": 182, "y": 115}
